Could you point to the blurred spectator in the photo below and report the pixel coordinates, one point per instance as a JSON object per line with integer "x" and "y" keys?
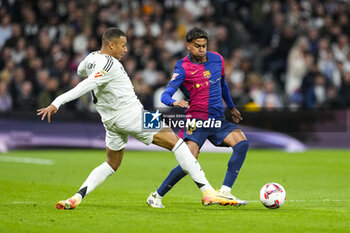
{"x": 341, "y": 48}
{"x": 270, "y": 98}
{"x": 50, "y": 92}
{"x": 238, "y": 94}
{"x": 313, "y": 39}
{"x": 323, "y": 48}
{"x": 293, "y": 14}
{"x": 80, "y": 42}
{"x": 130, "y": 65}
{"x": 42, "y": 77}
{"x": 26, "y": 99}
{"x": 5, "y": 29}
{"x": 149, "y": 74}
{"x": 255, "y": 88}
{"x": 269, "y": 39}
{"x": 316, "y": 94}
{"x": 344, "y": 93}
{"x": 196, "y": 7}
{"x": 343, "y": 21}
{"x": 142, "y": 90}
{"x": 16, "y": 85}
{"x": 30, "y": 24}
{"x": 346, "y": 64}
{"x": 16, "y": 35}
{"x": 278, "y": 64}
{"x": 328, "y": 67}
{"x": 19, "y": 52}
{"x": 5, "y": 98}
{"x": 317, "y": 19}
{"x": 223, "y": 41}
{"x": 5, "y": 56}
{"x": 299, "y": 61}
{"x": 6, "y": 72}
{"x": 174, "y": 44}
{"x": 333, "y": 100}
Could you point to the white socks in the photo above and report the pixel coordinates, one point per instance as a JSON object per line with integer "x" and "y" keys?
{"x": 225, "y": 189}
{"x": 96, "y": 177}
{"x": 190, "y": 165}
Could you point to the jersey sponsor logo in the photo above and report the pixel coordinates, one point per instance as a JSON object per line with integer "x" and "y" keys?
{"x": 215, "y": 81}
{"x": 206, "y": 74}
{"x": 91, "y": 66}
{"x": 99, "y": 74}
{"x": 174, "y": 76}
{"x": 203, "y": 84}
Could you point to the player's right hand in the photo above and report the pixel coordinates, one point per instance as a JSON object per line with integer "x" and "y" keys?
{"x": 181, "y": 103}
{"x": 236, "y": 115}
{"x": 50, "y": 110}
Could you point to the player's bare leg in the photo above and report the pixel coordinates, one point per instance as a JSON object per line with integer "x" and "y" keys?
{"x": 234, "y": 137}
{"x": 168, "y": 139}
{"x": 194, "y": 148}
{"x": 96, "y": 177}
{"x": 237, "y": 140}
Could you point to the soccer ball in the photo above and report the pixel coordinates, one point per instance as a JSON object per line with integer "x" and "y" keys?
{"x": 272, "y": 195}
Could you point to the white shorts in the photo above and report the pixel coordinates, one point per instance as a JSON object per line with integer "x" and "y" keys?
{"x": 130, "y": 123}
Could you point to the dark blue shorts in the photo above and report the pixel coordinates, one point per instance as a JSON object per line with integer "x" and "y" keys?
{"x": 215, "y": 135}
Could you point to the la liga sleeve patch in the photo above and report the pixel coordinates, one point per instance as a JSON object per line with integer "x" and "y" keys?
{"x": 99, "y": 74}
{"x": 174, "y": 76}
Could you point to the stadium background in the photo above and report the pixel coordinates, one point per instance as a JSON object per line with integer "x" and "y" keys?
{"x": 285, "y": 61}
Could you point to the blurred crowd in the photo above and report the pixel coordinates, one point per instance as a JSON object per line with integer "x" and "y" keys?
{"x": 278, "y": 54}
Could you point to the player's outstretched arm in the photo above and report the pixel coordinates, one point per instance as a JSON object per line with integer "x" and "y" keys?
{"x": 83, "y": 87}
{"x": 48, "y": 111}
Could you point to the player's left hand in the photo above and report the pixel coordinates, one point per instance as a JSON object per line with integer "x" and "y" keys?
{"x": 50, "y": 110}
{"x": 236, "y": 115}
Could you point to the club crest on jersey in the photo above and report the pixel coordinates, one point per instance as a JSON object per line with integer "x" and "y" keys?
{"x": 174, "y": 76}
{"x": 206, "y": 74}
{"x": 99, "y": 74}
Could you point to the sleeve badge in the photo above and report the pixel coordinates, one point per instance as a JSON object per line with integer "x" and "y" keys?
{"x": 174, "y": 76}
{"x": 99, "y": 74}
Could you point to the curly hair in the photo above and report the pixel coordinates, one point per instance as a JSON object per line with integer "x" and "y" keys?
{"x": 196, "y": 33}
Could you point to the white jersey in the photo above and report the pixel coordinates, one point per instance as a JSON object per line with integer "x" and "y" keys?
{"x": 111, "y": 88}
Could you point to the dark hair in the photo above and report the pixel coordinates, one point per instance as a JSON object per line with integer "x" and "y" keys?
{"x": 112, "y": 33}
{"x": 196, "y": 33}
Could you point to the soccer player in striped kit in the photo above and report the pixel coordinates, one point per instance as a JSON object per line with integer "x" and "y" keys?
{"x": 201, "y": 77}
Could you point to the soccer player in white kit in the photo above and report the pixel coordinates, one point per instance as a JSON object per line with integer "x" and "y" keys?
{"x": 121, "y": 114}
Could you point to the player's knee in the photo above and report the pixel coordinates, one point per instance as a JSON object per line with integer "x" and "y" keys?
{"x": 241, "y": 146}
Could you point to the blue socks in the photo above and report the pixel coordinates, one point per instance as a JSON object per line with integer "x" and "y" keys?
{"x": 235, "y": 162}
{"x": 233, "y": 167}
{"x": 174, "y": 176}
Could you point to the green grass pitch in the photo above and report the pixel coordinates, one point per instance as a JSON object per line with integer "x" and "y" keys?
{"x": 317, "y": 183}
